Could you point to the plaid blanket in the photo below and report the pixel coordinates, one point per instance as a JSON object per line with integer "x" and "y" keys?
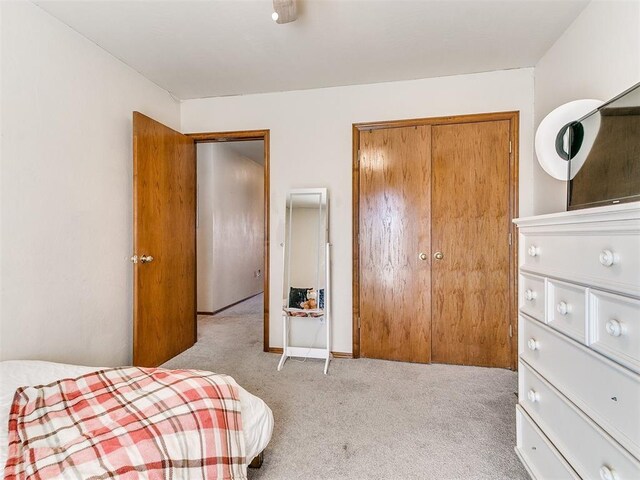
{"x": 128, "y": 423}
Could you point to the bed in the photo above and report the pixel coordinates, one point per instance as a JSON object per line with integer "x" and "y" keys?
{"x": 257, "y": 418}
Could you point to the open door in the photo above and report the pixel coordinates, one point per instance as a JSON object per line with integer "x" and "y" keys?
{"x": 164, "y": 241}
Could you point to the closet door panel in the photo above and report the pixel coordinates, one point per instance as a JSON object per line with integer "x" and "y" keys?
{"x": 395, "y": 283}
{"x": 470, "y": 228}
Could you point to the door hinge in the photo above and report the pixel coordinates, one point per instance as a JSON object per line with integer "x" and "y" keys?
{"x": 510, "y": 150}
{"x": 510, "y": 331}
{"x": 510, "y": 240}
{"x": 358, "y": 318}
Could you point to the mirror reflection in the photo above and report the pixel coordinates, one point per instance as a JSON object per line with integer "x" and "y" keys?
{"x": 305, "y": 252}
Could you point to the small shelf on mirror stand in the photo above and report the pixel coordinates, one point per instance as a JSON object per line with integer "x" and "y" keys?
{"x": 289, "y": 313}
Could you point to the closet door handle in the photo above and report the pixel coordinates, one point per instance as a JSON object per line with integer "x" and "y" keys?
{"x": 146, "y": 259}
{"x": 422, "y": 256}
{"x": 438, "y": 255}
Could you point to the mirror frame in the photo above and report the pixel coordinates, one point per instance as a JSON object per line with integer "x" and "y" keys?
{"x": 324, "y": 203}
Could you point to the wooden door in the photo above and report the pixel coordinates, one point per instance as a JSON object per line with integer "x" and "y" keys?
{"x": 394, "y": 211}
{"x": 470, "y": 224}
{"x": 164, "y": 212}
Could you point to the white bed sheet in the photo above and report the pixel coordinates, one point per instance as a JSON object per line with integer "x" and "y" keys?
{"x": 257, "y": 418}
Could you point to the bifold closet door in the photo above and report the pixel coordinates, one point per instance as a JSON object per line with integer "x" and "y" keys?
{"x": 394, "y": 248}
{"x": 470, "y": 224}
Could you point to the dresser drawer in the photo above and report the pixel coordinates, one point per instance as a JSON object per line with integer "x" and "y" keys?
{"x": 607, "y": 392}
{"x": 566, "y": 309}
{"x": 608, "y": 260}
{"x": 587, "y": 448}
{"x": 532, "y": 295}
{"x": 614, "y": 327}
{"x": 537, "y": 453}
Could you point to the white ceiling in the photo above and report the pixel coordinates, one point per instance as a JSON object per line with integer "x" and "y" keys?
{"x": 227, "y": 47}
{"x": 253, "y": 149}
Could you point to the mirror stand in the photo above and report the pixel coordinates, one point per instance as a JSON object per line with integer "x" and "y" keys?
{"x": 306, "y": 286}
{"x": 309, "y": 352}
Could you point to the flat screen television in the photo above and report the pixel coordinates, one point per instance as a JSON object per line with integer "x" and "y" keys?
{"x": 604, "y": 154}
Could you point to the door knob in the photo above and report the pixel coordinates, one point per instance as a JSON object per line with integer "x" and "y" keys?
{"x": 141, "y": 259}
{"x": 438, "y": 255}
{"x": 422, "y": 256}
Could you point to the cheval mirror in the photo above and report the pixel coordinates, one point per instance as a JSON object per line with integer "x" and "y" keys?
{"x": 306, "y": 293}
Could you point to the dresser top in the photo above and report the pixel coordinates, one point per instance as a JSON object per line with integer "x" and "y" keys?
{"x": 622, "y": 211}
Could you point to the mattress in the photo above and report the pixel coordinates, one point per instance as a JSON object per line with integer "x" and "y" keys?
{"x": 257, "y": 419}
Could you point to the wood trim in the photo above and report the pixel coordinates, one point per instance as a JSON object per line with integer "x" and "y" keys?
{"x": 233, "y": 136}
{"x": 278, "y": 350}
{"x": 514, "y": 118}
{"x": 247, "y": 135}
{"x": 267, "y": 244}
{"x": 355, "y": 218}
{"x": 341, "y": 355}
{"x": 513, "y": 213}
{"x": 471, "y": 118}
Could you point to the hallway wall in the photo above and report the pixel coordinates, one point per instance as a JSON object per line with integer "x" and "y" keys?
{"x": 230, "y": 232}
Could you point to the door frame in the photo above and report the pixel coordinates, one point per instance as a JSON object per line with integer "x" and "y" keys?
{"x": 514, "y": 123}
{"x": 245, "y": 136}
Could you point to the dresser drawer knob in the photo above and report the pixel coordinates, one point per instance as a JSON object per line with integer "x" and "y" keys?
{"x": 607, "y": 473}
{"x": 533, "y": 396}
{"x": 614, "y": 328}
{"x": 533, "y": 344}
{"x": 563, "y": 308}
{"x": 530, "y": 294}
{"x": 608, "y": 258}
{"x": 533, "y": 251}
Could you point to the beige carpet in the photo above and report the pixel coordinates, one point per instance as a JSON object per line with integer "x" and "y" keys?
{"x": 368, "y": 419}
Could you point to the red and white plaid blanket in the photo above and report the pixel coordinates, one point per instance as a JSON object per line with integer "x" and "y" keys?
{"x": 128, "y": 423}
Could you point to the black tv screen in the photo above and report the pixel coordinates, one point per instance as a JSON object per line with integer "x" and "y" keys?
{"x": 605, "y": 164}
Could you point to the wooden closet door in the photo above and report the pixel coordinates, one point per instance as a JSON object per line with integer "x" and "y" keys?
{"x": 470, "y": 227}
{"x": 394, "y": 211}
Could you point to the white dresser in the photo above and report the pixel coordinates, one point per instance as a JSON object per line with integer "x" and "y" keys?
{"x": 578, "y": 414}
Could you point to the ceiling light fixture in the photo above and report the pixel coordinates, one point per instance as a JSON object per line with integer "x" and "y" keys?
{"x": 284, "y": 11}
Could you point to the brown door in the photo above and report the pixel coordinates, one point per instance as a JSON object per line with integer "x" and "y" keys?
{"x": 164, "y": 227}
{"x": 395, "y": 289}
{"x": 470, "y": 227}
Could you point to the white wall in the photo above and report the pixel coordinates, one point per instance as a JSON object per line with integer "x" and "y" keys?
{"x": 598, "y": 56}
{"x": 231, "y": 227}
{"x": 66, "y": 191}
{"x": 311, "y": 147}
{"x": 204, "y": 231}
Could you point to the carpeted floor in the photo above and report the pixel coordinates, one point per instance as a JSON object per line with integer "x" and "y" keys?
{"x": 368, "y": 419}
